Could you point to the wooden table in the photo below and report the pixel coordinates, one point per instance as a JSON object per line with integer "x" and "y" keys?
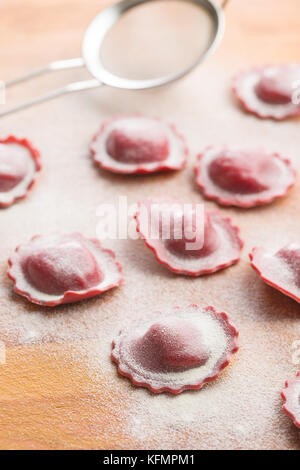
{"x": 58, "y": 389}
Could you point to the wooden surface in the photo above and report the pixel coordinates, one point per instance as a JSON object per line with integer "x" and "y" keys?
{"x": 58, "y": 389}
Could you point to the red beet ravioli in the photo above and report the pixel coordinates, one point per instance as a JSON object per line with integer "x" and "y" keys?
{"x": 176, "y": 350}
{"x": 280, "y": 270}
{"x": 234, "y": 176}
{"x": 60, "y": 268}
{"x": 138, "y": 144}
{"x": 291, "y": 396}
{"x": 19, "y": 163}
{"x": 186, "y": 238}
{"x": 270, "y": 91}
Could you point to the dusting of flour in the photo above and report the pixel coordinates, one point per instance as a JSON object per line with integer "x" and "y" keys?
{"x": 242, "y": 409}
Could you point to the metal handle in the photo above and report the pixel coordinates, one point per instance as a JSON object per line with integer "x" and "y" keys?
{"x": 53, "y": 66}
{"x": 70, "y": 88}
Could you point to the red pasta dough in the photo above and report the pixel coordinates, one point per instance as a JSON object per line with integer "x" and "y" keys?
{"x": 291, "y": 396}
{"x": 176, "y": 350}
{"x": 185, "y": 239}
{"x": 19, "y": 163}
{"x": 280, "y": 270}
{"x": 57, "y": 269}
{"x": 270, "y": 91}
{"x": 138, "y": 144}
{"x": 240, "y": 177}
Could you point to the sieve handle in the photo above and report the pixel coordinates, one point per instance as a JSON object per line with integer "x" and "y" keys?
{"x": 70, "y": 88}
{"x": 52, "y": 67}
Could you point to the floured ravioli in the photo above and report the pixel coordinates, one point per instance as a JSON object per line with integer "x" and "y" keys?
{"x": 177, "y": 349}
{"x": 62, "y": 268}
{"x": 138, "y": 144}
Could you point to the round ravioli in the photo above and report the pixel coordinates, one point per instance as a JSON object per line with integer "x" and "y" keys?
{"x": 138, "y": 144}
{"x": 176, "y": 350}
{"x": 63, "y": 268}
{"x": 240, "y": 177}
{"x": 280, "y": 270}
{"x": 19, "y": 163}
{"x": 270, "y": 91}
{"x": 186, "y": 238}
{"x": 291, "y": 396}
